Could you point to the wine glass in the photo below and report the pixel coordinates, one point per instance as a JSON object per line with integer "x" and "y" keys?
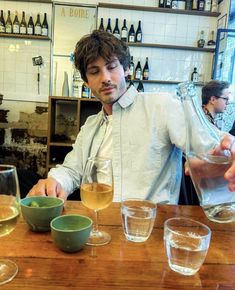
{"x": 9, "y": 214}
{"x": 97, "y": 194}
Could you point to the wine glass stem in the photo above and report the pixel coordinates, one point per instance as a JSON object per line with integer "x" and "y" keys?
{"x": 95, "y": 225}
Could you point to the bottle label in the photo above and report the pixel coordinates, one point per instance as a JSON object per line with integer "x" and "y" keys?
{"x": 146, "y": 75}
{"x": 44, "y": 31}
{"x": 38, "y": 30}
{"x": 138, "y": 74}
{"x": 8, "y": 29}
{"x": 22, "y": 30}
{"x": 124, "y": 34}
{"x": 131, "y": 38}
{"x": 117, "y": 35}
{"x": 138, "y": 37}
{"x": 2, "y": 28}
{"x": 30, "y": 30}
{"x": 16, "y": 28}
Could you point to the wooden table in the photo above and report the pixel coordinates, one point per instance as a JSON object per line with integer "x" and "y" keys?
{"x": 120, "y": 264}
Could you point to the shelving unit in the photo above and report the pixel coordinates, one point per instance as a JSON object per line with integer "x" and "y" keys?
{"x": 24, "y": 36}
{"x": 165, "y": 82}
{"x": 60, "y": 138}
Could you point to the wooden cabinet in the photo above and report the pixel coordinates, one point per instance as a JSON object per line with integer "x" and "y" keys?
{"x": 66, "y": 115}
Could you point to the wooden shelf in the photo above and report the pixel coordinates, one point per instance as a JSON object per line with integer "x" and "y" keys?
{"x": 35, "y": 1}
{"x": 165, "y": 82}
{"x": 64, "y": 144}
{"x": 168, "y": 46}
{"x": 24, "y": 36}
{"x": 156, "y": 9}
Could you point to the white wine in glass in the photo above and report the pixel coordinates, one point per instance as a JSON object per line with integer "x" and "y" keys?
{"x": 97, "y": 194}
{"x": 9, "y": 214}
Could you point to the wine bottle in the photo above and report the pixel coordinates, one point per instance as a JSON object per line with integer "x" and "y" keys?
{"x": 138, "y": 35}
{"x": 101, "y": 27}
{"x": 109, "y": 28}
{"x": 8, "y": 23}
{"x": 201, "y": 40}
{"x": 30, "y": 26}
{"x": 116, "y": 31}
{"x": 16, "y": 24}
{"x": 138, "y": 71}
{"x": 201, "y": 5}
{"x": 161, "y": 4}
{"x": 85, "y": 91}
{"x": 23, "y": 24}
{"x": 38, "y": 26}
{"x": 168, "y": 3}
{"x": 131, "y": 69}
{"x": 131, "y": 34}
{"x": 188, "y": 5}
{"x": 2, "y": 23}
{"x": 208, "y": 5}
{"x": 146, "y": 70}
{"x": 174, "y": 4}
{"x": 194, "y": 4}
{"x": 194, "y": 75}
{"x": 140, "y": 87}
{"x": 124, "y": 31}
{"x": 45, "y": 26}
{"x": 211, "y": 42}
{"x": 214, "y": 6}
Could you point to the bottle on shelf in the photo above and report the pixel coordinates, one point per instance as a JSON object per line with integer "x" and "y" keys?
{"x": 208, "y": 5}
{"x": 8, "y": 26}
{"x": 16, "y": 24}
{"x": 131, "y": 34}
{"x": 30, "y": 26}
{"x": 77, "y": 84}
{"x": 201, "y": 5}
{"x": 2, "y": 23}
{"x": 45, "y": 26}
{"x": 124, "y": 31}
{"x": 131, "y": 69}
{"x": 109, "y": 28}
{"x": 168, "y": 3}
{"x": 188, "y": 5}
{"x": 101, "y": 27}
{"x": 211, "y": 42}
{"x": 38, "y": 26}
{"x": 23, "y": 24}
{"x": 116, "y": 30}
{"x": 140, "y": 87}
{"x": 138, "y": 35}
{"x": 138, "y": 71}
{"x": 146, "y": 70}
{"x": 174, "y": 4}
{"x": 214, "y": 6}
{"x": 85, "y": 91}
{"x": 161, "y": 4}
{"x": 194, "y": 4}
{"x": 201, "y": 40}
{"x": 194, "y": 75}
{"x": 181, "y": 4}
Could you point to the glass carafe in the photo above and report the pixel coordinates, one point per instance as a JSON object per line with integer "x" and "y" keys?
{"x": 207, "y": 165}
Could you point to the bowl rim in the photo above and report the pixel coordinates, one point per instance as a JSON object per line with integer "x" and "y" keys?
{"x": 42, "y": 196}
{"x": 70, "y": 215}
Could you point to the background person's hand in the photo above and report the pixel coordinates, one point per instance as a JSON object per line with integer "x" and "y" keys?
{"x": 50, "y": 187}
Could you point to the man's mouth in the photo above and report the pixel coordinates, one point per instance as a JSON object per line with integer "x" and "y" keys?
{"x": 107, "y": 89}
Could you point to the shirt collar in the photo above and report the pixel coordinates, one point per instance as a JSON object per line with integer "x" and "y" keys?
{"x": 128, "y": 97}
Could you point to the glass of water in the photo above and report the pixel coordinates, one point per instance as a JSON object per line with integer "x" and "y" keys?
{"x": 186, "y": 243}
{"x": 138, "y": 216}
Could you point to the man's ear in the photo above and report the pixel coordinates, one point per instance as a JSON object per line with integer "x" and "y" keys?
{"x": 126, "y": 71}
{"x": 213, "y": 99}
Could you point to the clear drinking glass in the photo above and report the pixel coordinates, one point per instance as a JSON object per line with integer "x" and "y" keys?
{"x": 97, "y": 194}
{"x": 9, "y": 214}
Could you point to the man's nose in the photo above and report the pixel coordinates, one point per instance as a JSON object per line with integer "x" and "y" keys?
{"x": 105, "y": 76}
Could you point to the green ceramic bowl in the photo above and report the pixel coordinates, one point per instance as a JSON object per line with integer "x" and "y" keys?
{"x": 39, "y": 211}
{"x": 71, "y": 232}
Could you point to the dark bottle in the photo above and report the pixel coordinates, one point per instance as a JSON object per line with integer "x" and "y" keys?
{"x": 131, "y": 83}
{"x": 30, "y": 26}
{"x": 45, "y": 26}
{"x": 38, "y": 26}
{"x": 109, "y": 28}
{"x": 131, "y": 34}
{"x": 23, "y": 24}
{"x": 201, "y": 5}
{"x": 2, "y": 23}
{"x": 211, "y": 42}
{"x": 8, "y": 26}
{"x": 138, "y": 35}
{"x": 194, "y": 75}
{"x": 16, "y": 24}
{"x": 131, "y": 69}
{"x": 101, "y": 27}
{"x": 168, "y": 3}
{"x": 194, "y": 4}
{"x": 140, "y": 87}
{"x": 161, "y": 4}
{"x": 85, "y": 91}
{"x": 124, "y": 31}
{"x": 116, "y": 31}
{"x": 201, "y": 40}
{"x": 146, "y": 70}
{"x": 188, "y": 5}
{"x": 138, "y": 71}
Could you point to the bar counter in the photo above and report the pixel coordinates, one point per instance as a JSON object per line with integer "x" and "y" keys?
{"x": 120, "y": 264}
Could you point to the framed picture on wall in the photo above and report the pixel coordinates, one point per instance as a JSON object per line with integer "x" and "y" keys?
{"x": 221, "y": 23}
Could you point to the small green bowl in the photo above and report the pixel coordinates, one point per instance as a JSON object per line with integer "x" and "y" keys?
{"x": 39, "y": 211}
{"x": 71, "y": 232}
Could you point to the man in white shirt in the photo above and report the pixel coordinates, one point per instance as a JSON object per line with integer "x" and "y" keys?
{"x": 143, "y": 133}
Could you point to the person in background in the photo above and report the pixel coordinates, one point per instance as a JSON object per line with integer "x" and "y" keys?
{"x": 215, "y": 97}
{"x": 143, "y": 133}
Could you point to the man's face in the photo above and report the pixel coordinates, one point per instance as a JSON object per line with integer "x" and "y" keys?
{"x": 106, "y": 79}
{"x": 222, "y": 101}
